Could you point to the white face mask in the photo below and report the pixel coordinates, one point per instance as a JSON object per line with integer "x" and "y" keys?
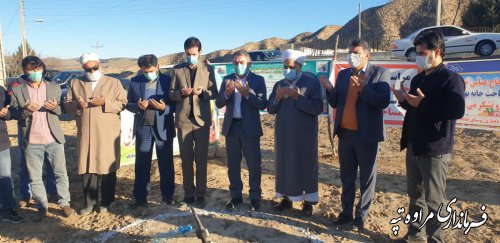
{"x": 423, "y": 62}
{"x": 354, "y": 60}
{"x": 94, "y": 76}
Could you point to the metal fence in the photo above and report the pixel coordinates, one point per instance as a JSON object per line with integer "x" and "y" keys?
{"x": 495, "y": 29}
{"x": 326, "y": 48}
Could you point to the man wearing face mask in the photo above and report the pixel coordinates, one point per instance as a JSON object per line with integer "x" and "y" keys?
{"x": 25, "y": 194}
{"x": 243, "y": 93}
{"x": 435, "y": 101}
{"x": 96, "y": 100}
{"x": 153, "y": 123}
{"x": 35, "y": 105}
{"x": 359, "y": 97}
{"x": 296, "y": 101}
{"x": 192, "y": 87}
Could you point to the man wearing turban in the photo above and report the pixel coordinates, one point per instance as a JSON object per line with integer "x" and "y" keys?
{"x": 296, "y": 101}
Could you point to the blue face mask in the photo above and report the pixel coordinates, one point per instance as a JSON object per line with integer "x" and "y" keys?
{"x": 151, "y": 76}
{"x": 240, "y": 69}
{"x": 193, "y": 60}
{"x": 35, "y": 76}
{"x": 290, "y": 74}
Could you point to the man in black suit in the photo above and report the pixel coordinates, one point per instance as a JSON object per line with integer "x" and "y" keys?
{"x": 243, "y": 93}
{"x": 154, "y": 122}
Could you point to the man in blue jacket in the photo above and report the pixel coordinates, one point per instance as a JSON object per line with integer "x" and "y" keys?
{"x": 435, "y": 101}
{"x": 360, "y": 95}
{"x": 153, "y": 123}
{"x": 243, "y": 93}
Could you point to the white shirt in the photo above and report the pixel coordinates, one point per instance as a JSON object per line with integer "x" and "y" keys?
{"x": 94, "y": 84}
{"x": 360, "y": 71}
{"x": 237, "y": 98}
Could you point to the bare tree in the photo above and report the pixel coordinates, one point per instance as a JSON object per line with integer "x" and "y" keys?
{"x": 13, "y": 62}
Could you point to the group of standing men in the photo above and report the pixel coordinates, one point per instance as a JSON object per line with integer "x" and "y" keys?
{"x": 361, "y": 92}
{"x": 36, "y": 103}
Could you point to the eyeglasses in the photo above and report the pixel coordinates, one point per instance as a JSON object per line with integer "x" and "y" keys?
{"x": 288, "y": 67}
{"x": 89, "y": 70}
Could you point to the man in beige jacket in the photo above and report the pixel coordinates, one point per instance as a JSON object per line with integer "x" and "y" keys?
{"x": 192, "y": 87}
{"x": 97, "y": 100}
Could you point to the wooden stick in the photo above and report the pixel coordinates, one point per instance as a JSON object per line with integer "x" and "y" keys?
{"x": 330, "y": 135}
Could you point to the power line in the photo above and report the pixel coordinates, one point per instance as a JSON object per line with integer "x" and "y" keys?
{"x": 84, "y": 15}
{"x": 11, "y": 20}
{"x": 65, "y": 7}
{"x": 67, "y": 25}
{"x": 155, "y": 9}
{"x": 97, "y": 47}
{"x": 138, "y": 13}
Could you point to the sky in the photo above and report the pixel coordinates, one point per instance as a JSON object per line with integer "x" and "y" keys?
{"x": 130, "y": 28}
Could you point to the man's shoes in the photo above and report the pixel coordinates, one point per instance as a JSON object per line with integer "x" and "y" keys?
{"x": 307, "y": 209}
{"x": 42, "y": 214}
{"x": 169, "y": 201}
{"x": 231, "y": 205}
{"x": 186, "y": 201}
{"x": 200, "y": 202}
{"x": 12, "y": 216}
{"x": 358, "y": 224}
{"x": 343, "y": 220}
{"x": 254, "y": 205}
{"x": 283, "y": 205}
{"x": 87, "y": 210}
{"x": 68, "y": 211}
{"x": 23, "y": 202}
{"x": 139, "y": 204}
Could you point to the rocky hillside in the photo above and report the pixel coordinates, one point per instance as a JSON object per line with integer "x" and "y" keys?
{"x": 112, "y": 65}
{"x": 399, "y": 18}
{"x": 380, "y": 26}
{"x": 270, "y": 43}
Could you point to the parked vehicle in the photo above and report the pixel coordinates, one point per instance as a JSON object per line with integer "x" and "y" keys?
{"x": 265, "y": 55}
{"x": 457, "y": 40}
{"x": 63, "y": 77}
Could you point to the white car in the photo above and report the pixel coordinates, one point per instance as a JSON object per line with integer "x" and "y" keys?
{"x": 456, "y": 39}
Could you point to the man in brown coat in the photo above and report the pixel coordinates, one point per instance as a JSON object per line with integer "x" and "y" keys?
{"x": 97, "y": 101}
{"x": 192, "y": 87}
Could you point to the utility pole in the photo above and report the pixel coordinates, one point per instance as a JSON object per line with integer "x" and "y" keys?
{"x": 3, "y": 71}
{"x": 97, "y": 46}
{"x": 23, "y": 34}
{"x": 359, "y": 20}
{"x": 438, "y": 13}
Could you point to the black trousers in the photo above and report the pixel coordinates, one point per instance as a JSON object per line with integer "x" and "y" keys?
{"x": 91, "y": 184}
{"x": 354, "y": 153}
{"x": 236, "y": 143}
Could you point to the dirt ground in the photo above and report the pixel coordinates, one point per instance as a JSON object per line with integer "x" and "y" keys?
{"x": 473, "y": 179}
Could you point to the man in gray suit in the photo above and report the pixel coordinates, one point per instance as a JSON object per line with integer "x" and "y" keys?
{"x": 243, "y": 93}
{"x": 192, "y": 87}
{"x": 360, "y": 95}
{"x": 35, "y": 104}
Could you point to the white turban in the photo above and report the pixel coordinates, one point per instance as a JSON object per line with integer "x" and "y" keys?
{"x": 298, "y": 56}
{"x": 88, "y": 57}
